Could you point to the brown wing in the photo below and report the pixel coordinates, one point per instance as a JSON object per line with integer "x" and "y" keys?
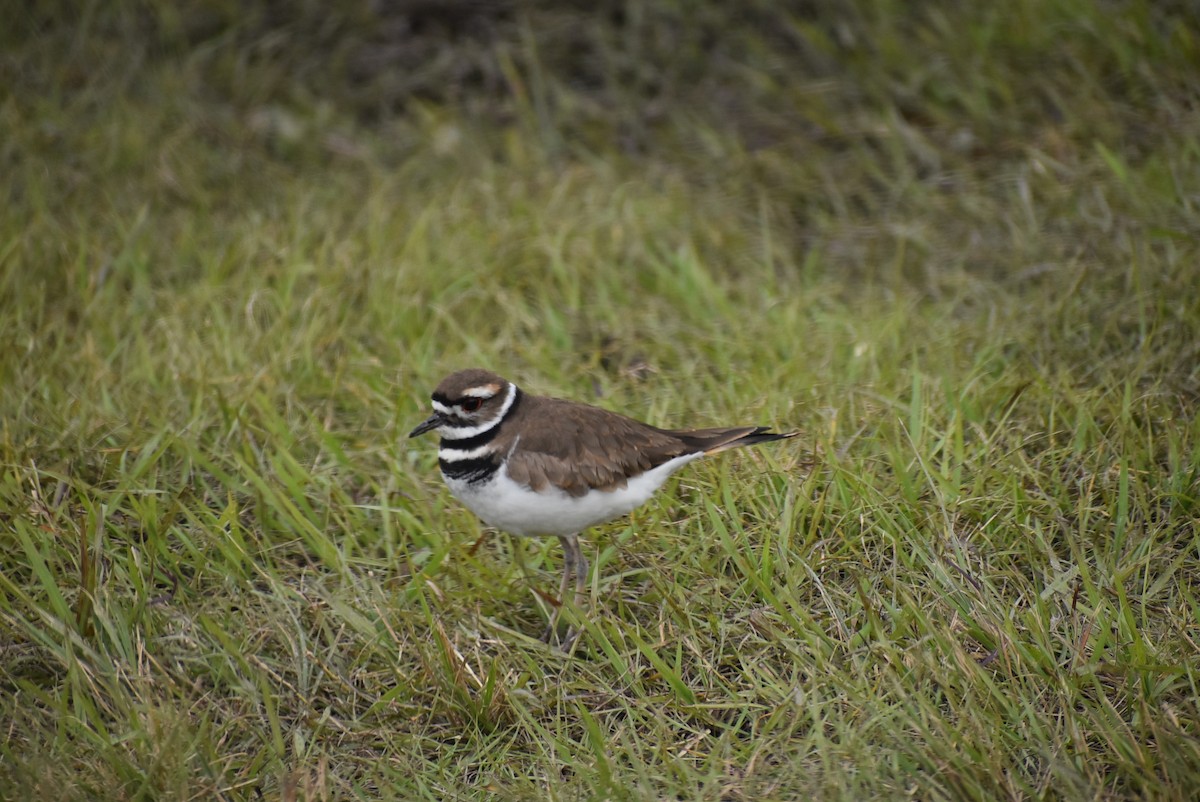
{"x": 578, "y": 448}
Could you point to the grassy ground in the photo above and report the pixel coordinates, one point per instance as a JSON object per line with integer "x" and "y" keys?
{"x": 956, "y": 246}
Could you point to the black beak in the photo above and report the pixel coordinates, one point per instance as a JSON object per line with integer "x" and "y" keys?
{"x": 432, "y": 422}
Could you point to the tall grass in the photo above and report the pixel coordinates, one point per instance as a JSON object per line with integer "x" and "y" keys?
{"x": 955, "y": 246}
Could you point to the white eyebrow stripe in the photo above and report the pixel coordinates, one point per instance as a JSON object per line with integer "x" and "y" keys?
{"x": 463, "y": 432}
{"x": 460, "y": 454}
{"x": 487, "y": 391}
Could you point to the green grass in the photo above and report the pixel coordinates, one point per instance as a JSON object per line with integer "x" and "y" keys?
{"x": 956, "y": 247}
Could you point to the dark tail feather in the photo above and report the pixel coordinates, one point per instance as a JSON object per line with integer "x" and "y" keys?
{"x": 713, "y": 441}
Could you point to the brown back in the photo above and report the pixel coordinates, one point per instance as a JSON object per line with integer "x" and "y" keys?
{"x": 578, "y": 448}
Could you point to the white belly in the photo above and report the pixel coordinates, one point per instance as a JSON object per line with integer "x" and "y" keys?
{"x": 514, "y": 508}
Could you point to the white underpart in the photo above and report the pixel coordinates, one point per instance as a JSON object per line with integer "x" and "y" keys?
{"x": 514, "y": 508}
{"x": 462, "y": 433}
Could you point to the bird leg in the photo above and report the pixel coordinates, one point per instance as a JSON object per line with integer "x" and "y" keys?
{"x": 581, "y": 573}
{"x": 570, "y": 546}
{"x": 573, "y": 562}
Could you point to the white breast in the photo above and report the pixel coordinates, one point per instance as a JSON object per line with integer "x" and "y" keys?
{"x": 514, "y": 508}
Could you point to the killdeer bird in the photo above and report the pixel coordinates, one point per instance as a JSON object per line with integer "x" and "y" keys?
{"x": 531, "y": 465}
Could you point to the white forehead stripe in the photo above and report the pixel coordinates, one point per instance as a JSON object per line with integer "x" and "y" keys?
{"x": 463, "y": 432}
{"x": 438, "y": 406}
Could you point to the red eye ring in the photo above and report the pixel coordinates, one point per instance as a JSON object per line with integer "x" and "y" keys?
{"x": 471, "y": 404}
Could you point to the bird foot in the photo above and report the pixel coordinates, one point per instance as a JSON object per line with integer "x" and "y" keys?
{"x": 566, "y": 642}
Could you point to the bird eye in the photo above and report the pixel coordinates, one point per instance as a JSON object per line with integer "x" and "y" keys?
{"x": 472, "y": 404}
